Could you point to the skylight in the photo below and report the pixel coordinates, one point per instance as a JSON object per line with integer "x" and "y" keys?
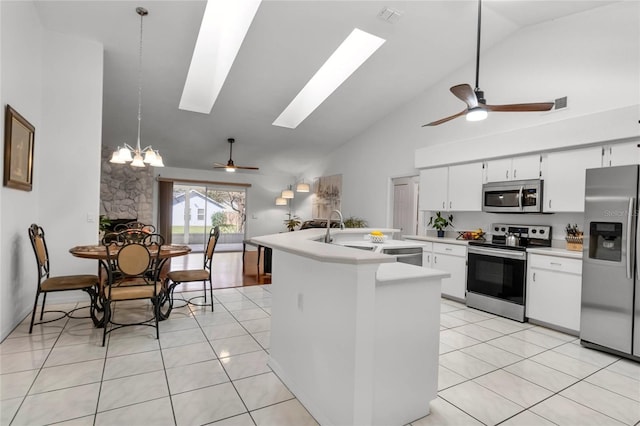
{"x": 346, "y": 59}
{"x": 224, "y": 26}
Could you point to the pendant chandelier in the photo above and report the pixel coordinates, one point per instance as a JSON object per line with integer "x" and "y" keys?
{"x": 126, "y": 153}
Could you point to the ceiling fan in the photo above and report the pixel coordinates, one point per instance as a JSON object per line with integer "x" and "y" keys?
{"x": 230, "y": 166}
{"x": 477, "y": 108}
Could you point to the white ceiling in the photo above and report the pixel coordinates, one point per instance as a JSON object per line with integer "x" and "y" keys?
{"x": 286, "y": 44}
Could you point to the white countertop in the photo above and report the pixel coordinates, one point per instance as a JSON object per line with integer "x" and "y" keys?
{"x": 400, "y": 272}
{"x": 555, "y": 251}
{"x": 309, "y": 243}
{"x": 446, "y": 240}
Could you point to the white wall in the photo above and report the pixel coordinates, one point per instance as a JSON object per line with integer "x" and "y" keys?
{"x": 21, "y": 52}
{"x": 263, "y": 216}
{"x": 56, "y": 83}
{"x": 591, "y": 57}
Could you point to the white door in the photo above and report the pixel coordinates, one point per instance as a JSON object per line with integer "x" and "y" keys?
{"x": 405, "y": 205}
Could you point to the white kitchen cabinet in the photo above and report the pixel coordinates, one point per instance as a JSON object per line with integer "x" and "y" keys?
{"x": 454, "y": 188}
{"x": 465, "y": 187}
{"x": 564, "y": 178}
{"x": 554, "y": 286}
{"x": 452, "y": 258}
{"x": 516, "y": 168}
{"x": 622, "y": 154}
{"x": 433, "y": 189}
{"x": 427, "y": 255}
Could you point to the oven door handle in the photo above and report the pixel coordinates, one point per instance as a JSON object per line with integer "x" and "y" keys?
{"x": 518, "y": 255}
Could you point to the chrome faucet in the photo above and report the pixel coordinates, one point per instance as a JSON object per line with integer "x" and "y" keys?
{"x": 327, "y": 237}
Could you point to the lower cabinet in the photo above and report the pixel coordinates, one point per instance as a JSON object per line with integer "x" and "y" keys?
{"x": 554, "y": 286}
{"x": 451, "y": 258}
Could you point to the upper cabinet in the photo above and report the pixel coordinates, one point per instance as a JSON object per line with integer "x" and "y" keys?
{"x": 453, "y": 188}
{"x": 516, "y": 168}
{"x": 564, "y": 178}
{"x": 622, "y": 154}
{"x": 465, "y": 187}
{"x": 433, "y": 189}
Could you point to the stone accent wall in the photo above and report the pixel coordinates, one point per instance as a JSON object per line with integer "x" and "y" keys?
{"x": 125, "y": 192}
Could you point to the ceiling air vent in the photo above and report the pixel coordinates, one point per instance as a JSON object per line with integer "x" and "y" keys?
{"x": 390, "y": 15}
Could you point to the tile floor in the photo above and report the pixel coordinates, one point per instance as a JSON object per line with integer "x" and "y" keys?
{"x": 211, "y": 368}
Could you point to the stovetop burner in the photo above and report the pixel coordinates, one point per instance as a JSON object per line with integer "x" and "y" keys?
{"x": 529, "y": 236}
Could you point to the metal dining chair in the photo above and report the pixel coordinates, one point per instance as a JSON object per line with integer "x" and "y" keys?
{"x": 175, "y": 278}
{"x": 132, "y": 269}
{"x": 49, "y": 284}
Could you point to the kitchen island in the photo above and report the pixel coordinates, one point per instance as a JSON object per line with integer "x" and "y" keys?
{"x": 354, "y": 334}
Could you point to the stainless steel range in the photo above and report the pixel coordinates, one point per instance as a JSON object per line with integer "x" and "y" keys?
{"x": 497, "y": 270}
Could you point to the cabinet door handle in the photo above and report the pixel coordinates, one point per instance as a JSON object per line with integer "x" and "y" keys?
{"x": 515, "y": 173}
{"x": 449, "y": 204}
{"x": 555, "y": 263}
{"x": 448, "y": 249}
{"x": 435, "y": 259}
{"x": 443, "y": 204}
{"x": 534, "y": 277}
{"x": 549, "y": 203}
{"x": 428, "y": 259}
{"x": 506, "y": 174}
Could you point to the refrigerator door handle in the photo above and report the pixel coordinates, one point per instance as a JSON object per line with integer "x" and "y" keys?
{"x": 629, "y": 235}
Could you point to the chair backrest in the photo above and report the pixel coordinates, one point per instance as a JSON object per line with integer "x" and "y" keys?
{"x": 134, "y": 261}
{"x": 214, "y": 235}
{"x": 36, "y": 236}
{"x": 150, "y": 229}
{"x": 127, "y": 235}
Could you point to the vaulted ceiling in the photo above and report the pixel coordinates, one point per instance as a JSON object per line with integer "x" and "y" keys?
{"x": 286, "y": 43}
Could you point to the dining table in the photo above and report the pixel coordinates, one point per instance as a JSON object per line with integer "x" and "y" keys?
{"x": 99, "y": 252}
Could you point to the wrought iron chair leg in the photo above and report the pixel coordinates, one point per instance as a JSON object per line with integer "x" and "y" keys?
{"x": 211, "y": 293}
{"x": 204, "y": 290}
{"x": 33, "y": 314}
{"x": 92, "y": 308}
{"x": 106, "y": 318}
{"x": 44, "y": 301}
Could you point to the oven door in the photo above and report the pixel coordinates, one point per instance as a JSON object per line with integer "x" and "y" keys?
{"x": 498, "y": 274}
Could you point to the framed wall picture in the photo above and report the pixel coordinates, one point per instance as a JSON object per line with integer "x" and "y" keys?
{"x": 18, "y": 151}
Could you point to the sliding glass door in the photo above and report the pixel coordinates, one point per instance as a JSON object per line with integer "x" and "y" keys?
{"x": 198, "y": 208}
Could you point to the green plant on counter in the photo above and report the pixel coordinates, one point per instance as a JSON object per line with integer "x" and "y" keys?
{"x": 440, "y": 223}
{"x": 292, "y": 222}
{"x": 355, "y": 222}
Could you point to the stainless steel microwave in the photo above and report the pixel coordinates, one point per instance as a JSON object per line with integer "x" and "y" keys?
{"x": 515, "y": 196}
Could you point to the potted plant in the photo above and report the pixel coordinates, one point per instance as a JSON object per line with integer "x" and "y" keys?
{"x": 439, "y": 223}
{"x": 103, "y": 226}
{"x": 355, "y": 222}
{"x": 292, "y": 222}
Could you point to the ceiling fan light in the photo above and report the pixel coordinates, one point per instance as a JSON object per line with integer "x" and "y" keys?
{"x": 477, "y": 114}
{"x": 281, "y": 201}
{"x": 230, "y": 169}
{"x": 302, "y": 187}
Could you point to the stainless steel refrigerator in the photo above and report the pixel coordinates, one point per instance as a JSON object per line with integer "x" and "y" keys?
{"x": 610, "y": 314}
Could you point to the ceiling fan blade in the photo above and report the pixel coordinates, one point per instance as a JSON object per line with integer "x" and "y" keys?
{"x": 444, "y": 120}
{"x": 531, "y": 107}
{"x": 465, "y": 93}
{"x": 247, "y": 168}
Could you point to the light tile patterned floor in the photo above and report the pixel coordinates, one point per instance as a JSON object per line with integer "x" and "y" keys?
{"x": 211, "y": 368}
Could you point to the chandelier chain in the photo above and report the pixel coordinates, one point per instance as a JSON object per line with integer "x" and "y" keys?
{"x": 142, "y": 12}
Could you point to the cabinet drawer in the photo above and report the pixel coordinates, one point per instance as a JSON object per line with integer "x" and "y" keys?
{"x": 450, "y": 249}
{"x": 555, "y": 263}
